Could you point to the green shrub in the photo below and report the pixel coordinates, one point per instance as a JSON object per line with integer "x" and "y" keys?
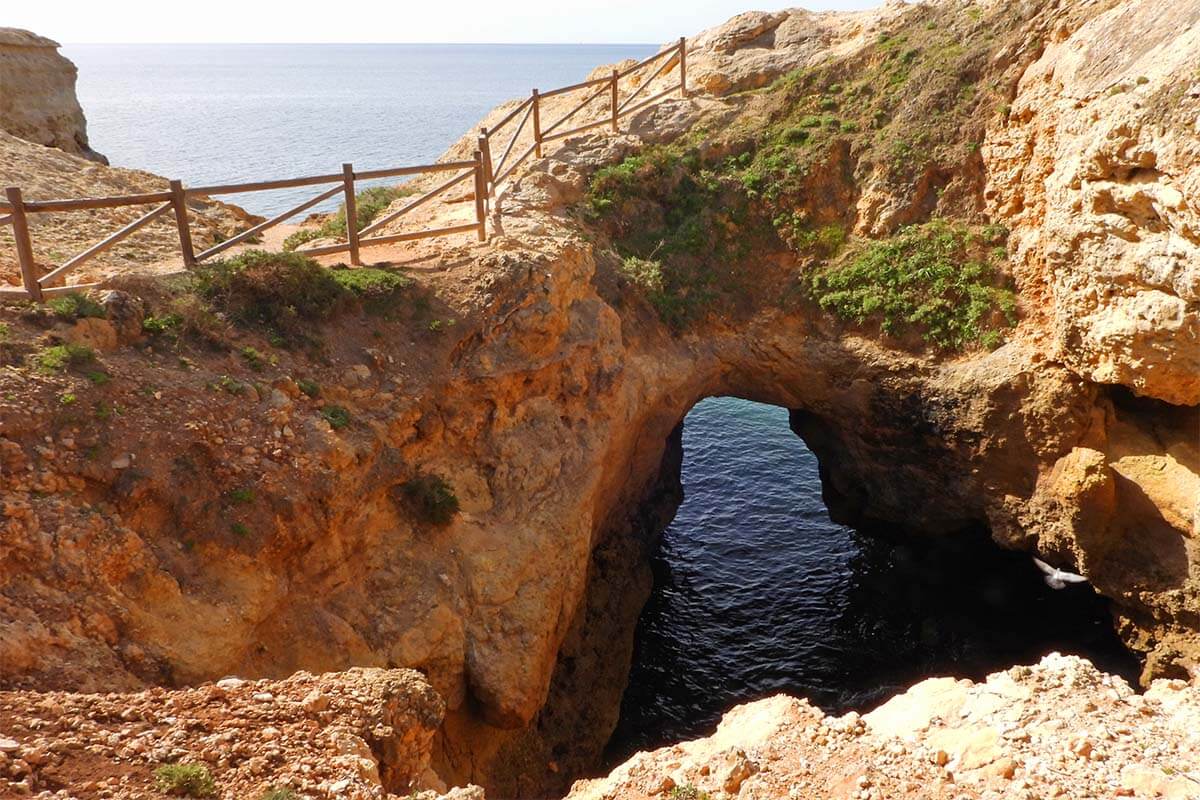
{"x": 337, "y": 416}
{"x": 281, "y": 291}
{"x": 254, "y": 359}
{"x": 5, "y": 332}
{"x": 937, "y": 279}
{"x": 75, "y": 306}
{"x": 369, "y": 204}
{"x": 160, "y": 324}
{"x": 303, "y": 236}
{"x": 185, "y": 780}
{"x": 376, "y": 288}
{"x": 228, "y": 385}
{"x": 430, "y": 499}
{"x": 688, "y": 792}
{"x": 98, "y": 377}
{"x": 309, "y": 387}
{"x": 61, "y": 356}
{"x": 241, "y": 496}
{"x": 279, "y": 794}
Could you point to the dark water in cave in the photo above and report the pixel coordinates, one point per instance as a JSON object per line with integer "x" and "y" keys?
{"x": 757, "y": 591}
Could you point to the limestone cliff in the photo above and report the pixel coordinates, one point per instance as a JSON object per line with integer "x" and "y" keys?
{"x": 37, "y": 94}
{"x": 244, "y": 492}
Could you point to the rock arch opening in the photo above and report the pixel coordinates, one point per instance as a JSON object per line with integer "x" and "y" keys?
{"x": 758, "y": 590}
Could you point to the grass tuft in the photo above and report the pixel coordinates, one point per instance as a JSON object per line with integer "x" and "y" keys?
{"x": 61, "y": 356}
{"x": 337, "y": 416}
{"x": 430, "y": 499}
{"x": 185, "y": 780}
{"x": 75, "y": 306}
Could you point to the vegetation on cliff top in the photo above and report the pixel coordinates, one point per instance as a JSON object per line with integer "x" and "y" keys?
{"x": 284, "y": 294}
{"x": 185, "y": 780}
{"x": 368, "y": 205}
{"x": 938, "y": 279}
{"x": 702, "y": 224}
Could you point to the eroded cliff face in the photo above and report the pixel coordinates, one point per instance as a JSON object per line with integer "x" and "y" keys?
{"x": 37, "y": 94}
{"x": 196, "y": 514}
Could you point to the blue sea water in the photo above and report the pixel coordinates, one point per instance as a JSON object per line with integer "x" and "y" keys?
{"x": 756, "y": 589}
{"x": 228, "y": 113}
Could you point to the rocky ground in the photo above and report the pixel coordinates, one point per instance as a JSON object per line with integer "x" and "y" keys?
{"x": 344, "y": 735}
{"x": 46, "y": 173}
{"x": 1056, "y": 729}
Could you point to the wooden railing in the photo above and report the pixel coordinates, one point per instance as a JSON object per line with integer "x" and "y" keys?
{"x": 507, "y": 132}
{"x": 486, "y": 174}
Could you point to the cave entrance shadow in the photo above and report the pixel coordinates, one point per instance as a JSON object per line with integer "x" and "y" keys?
{"x": 758, "y": 591}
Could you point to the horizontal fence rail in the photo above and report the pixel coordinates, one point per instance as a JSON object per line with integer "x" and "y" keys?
{"x": 487, "y": 175}
{"x": 503, "y": 136}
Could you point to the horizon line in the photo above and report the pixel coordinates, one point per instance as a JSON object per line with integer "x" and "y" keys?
{"x": 430, "y": 44}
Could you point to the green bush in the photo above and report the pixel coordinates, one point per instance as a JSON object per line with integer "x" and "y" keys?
{"x": 185, "y": 780}
{"x": 688, "y": 792}
{"x": 309, "y": 387}
{"x": 74, "y": 306}
{"x": 937, "y": 279}
{"x": 285, "y": 292}
{"x": 376, "y": 288}
{"x": 279, "y": 794}
{"x": 61, "y": 356}
{"x": 160, "y": 324}
{"x": 241, "y": 496}
{"x": 337, "y": 416}
{"x": 255, "y": 359}
{"x": 281, "y": 291}
{"x": 430, "y": 498}
{"x": 369, "y": 204}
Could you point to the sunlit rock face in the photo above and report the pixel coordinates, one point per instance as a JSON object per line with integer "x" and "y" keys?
{"x": 37, "y": 94}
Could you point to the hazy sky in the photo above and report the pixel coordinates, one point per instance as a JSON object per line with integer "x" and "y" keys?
{"x": 609, "y": 21}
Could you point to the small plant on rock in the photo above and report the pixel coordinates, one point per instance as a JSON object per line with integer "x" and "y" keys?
{"x": 688, "y": 792}
{"x": 185, "y": 780}
{"x": 337, "y": 416}
{"x": 279, "y": 794}
{"x": 254, "y": 359}
{"x": 309, "y": 387}
{"x": 242, "y": 496}
{"x": 156, "y": 325}
{"x": 75, "y": 306}
{"x": 430, "y": 499}
{"x": 61, "y": 356}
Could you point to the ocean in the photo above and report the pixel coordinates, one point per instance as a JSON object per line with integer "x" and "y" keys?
{"x": 756, "y": 590}
{"x": 209, "y": 114}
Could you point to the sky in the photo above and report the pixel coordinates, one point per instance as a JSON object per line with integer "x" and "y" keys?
{"x": 491, "y": 21}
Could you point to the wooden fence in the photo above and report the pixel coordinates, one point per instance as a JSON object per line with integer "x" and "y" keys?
{"x": 487, "y": 175}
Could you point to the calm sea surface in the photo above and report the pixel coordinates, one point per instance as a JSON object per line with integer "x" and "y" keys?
{"x": 221, "y": 113}
{"x": 757, "y": 591}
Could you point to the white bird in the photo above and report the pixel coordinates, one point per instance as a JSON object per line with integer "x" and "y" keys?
{"x": 1056, "y": 578}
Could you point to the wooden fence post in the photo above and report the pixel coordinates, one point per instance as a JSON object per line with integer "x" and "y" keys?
{"x": 615, "y": 75}
{"x": 179, "y": 204}
{"x": 683, "y": 91}
{"x": 351, "y": 213}
{"x": 485, "y": 150}
{"x": 537, "y": 126}
{"x": 480, "y": 193}
{"x": 20, "y": 226}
